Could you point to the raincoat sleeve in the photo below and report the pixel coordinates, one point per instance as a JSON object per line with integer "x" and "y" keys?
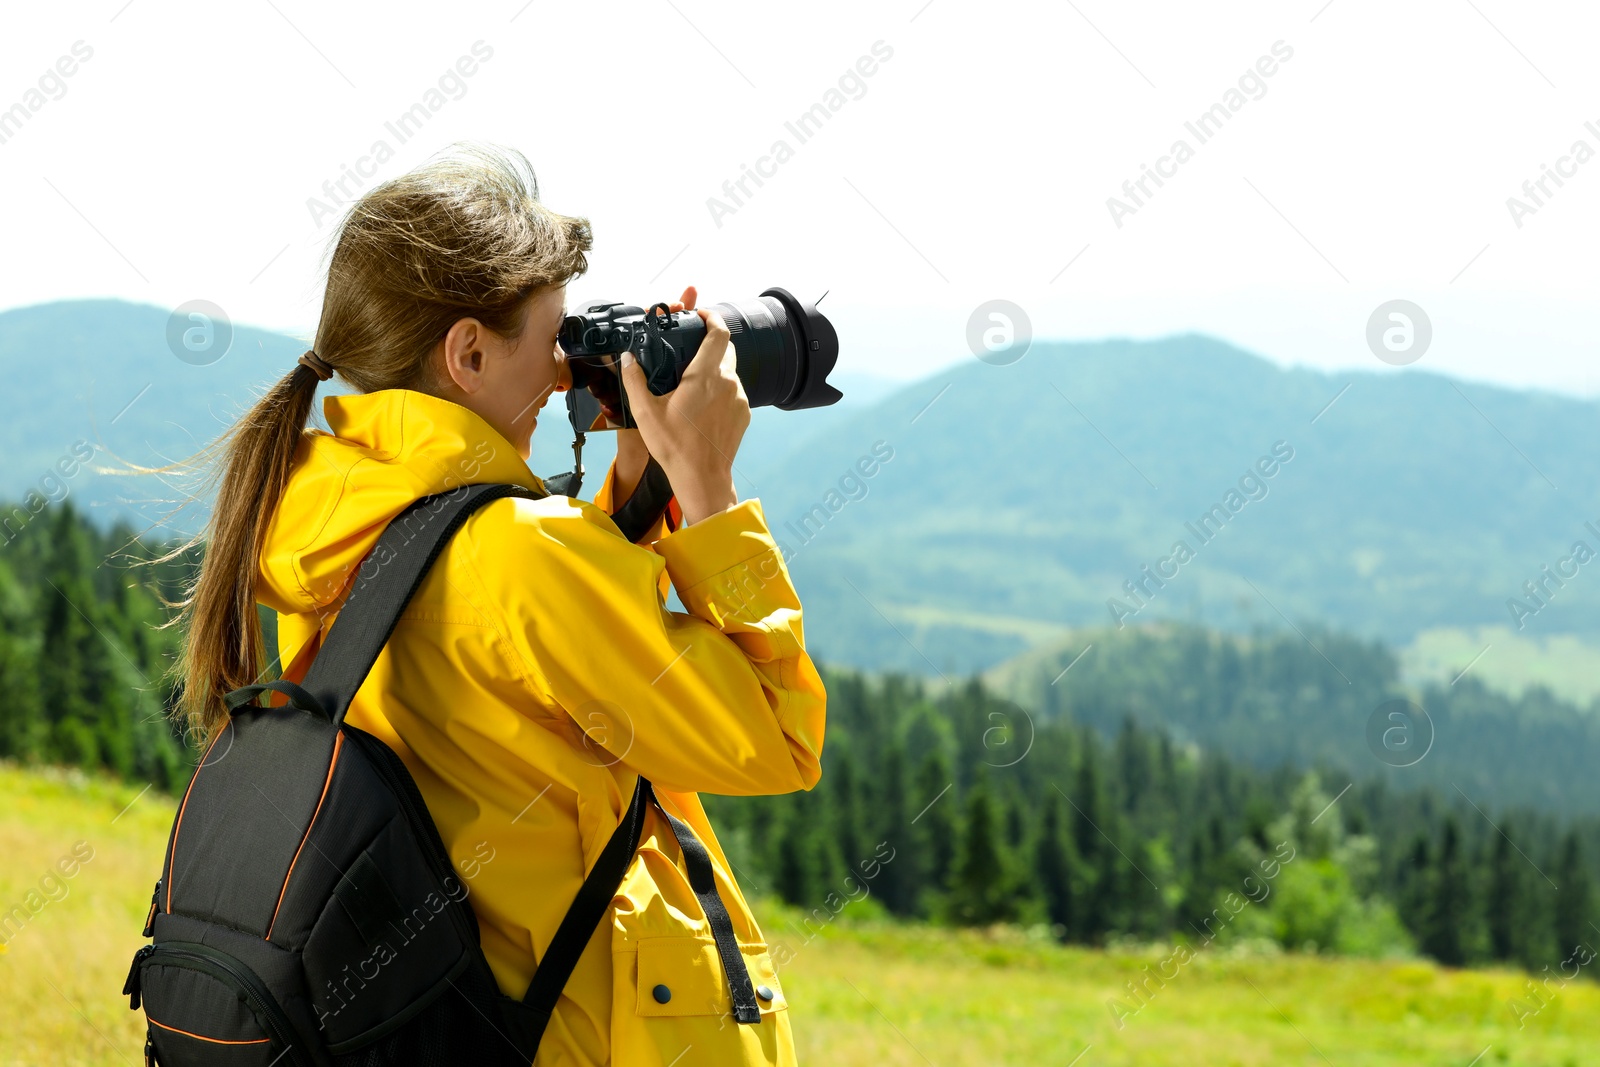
{"x": 719, "y": 699}
{"x": 604, "y": 499}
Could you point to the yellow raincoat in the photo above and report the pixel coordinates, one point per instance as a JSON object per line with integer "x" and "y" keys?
{"x": 535, "y": 674}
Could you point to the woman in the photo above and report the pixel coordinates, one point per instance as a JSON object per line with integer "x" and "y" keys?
{"x": 536, "y": 674}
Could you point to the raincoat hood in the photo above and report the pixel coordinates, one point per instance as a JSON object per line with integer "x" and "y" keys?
{"x": 386, "y": 450}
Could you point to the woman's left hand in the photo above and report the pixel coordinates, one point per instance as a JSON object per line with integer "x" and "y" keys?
{"x": 632, "y": 454}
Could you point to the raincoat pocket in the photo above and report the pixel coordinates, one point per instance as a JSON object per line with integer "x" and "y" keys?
{"x": 672, "y": 1006}
{"x": 683, "y": 976}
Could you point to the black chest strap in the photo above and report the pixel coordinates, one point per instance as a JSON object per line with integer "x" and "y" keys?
{"x": 593, "y": 903}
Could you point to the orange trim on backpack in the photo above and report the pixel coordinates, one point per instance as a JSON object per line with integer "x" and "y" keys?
{"x": 213, "y": 1040}
{"x": 332, "y": 763}
{"x": 172, "y": 854}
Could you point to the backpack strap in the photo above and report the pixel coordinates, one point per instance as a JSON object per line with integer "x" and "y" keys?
{"x": 531, "y": 1015}
{"x": 593, "y": 902}
{"x": 384, "y": 585}
{"x": 245, "y": 696}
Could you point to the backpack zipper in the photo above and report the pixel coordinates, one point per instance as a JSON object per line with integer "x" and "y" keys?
{"x": 222, "y": 967}
{"x": 155, "y": 904}
{"x": 130, "y": 988}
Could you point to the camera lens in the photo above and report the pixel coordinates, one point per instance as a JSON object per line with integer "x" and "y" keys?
{"x": 785, "y": 350}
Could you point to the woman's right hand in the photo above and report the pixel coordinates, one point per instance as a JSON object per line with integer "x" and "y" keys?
{"x": 694, "y": 431}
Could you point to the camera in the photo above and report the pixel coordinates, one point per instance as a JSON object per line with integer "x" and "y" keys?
{"x": 785, "y": 350}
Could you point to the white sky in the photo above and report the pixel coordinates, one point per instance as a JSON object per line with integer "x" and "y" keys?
{"x": 976, "y": 165}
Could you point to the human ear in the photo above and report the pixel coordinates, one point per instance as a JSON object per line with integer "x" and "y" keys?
{"x": 465, "y": 354}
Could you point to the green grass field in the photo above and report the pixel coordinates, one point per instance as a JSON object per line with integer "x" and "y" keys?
{"x": 866, "y": 992}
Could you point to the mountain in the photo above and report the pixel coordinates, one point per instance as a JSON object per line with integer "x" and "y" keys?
{"x": 100, "y": 374}
{"x": 946, "y": 525}
{"x": 1020, "y": 500}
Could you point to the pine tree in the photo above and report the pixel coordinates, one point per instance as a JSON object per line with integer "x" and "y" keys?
{"x": 1412, "y": 881}
{"x": 1505, "y": 901}
{"x": 1053, "y": 866}
{"x": 1201, "y": 880}
{"x": 1024, "y": 899}
{"x": 1016, "y": 821}
{"x": 1144, "y": 907}
{"x": 808, "y": 865}
{"x": 1099, "y": 861}
{"x": 1574, "y": 909}
{"x": 897, "y": 880}
{"x": 850, "y": 830}
{"x": 794, "y": 872}
{"x": 935, "y": 828}
{"x": 1450, "y": 902}
{"x": 23, "y": 732}
{"x": 77, "y": 679}
{"x": 977, "y": 884}
{"x": 1133, "y": 760}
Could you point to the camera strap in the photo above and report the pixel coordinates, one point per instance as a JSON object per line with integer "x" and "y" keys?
{"x": 702, "y": 879}
{"x": 640, "y": 512}
{"x": 571, "y": 482}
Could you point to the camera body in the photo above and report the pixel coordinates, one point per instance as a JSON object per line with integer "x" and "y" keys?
{"x": 784, "y": 351}
{"x": 661, "y": 340}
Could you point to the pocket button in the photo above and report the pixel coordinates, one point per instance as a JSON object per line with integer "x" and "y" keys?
{"x": 663, "y": 994}
{"x": 763, "y": 992}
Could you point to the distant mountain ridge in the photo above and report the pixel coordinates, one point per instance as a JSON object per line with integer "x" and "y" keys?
{"x": 1026, "y": 500}
{"x": 101, "y": 373}
{"x": 1016, "y": 503}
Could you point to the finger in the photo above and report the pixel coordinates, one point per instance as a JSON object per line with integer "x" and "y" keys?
{"x": 641, "y": 401}
{"x": 689, "y": 297}
{"x": 715, "y": 345}
{"x": 717, "y": 329}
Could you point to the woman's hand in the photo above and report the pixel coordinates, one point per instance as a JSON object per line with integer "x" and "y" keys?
{"x": 632, "y": 453}
{"x": 694, "y": 431}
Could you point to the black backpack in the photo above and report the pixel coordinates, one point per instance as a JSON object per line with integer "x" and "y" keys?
{"x": 307, "y": 913}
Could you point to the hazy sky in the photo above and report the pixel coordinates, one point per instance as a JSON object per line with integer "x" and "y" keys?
{"x": 183, "y": 159}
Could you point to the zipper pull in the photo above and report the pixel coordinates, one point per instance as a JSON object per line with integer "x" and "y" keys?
{"x": 149, "y": 1049}
{"x": 150, "y": 920}
{"x": 130, "y": 988}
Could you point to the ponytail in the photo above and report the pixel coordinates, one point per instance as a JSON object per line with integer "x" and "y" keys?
{"x": 223, "y": 650}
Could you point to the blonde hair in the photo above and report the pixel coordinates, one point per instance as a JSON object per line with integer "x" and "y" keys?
{"x": 462, "y": 236}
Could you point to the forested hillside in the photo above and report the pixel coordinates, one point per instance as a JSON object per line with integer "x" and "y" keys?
{"x": 1143, "y": 796}
{"x": 83, "y": 657}
{"x": 952, "y": 804}
{"x": 1310, "y": 698}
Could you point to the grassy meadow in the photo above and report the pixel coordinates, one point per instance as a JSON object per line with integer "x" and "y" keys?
{"x": 864, "y": 991}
